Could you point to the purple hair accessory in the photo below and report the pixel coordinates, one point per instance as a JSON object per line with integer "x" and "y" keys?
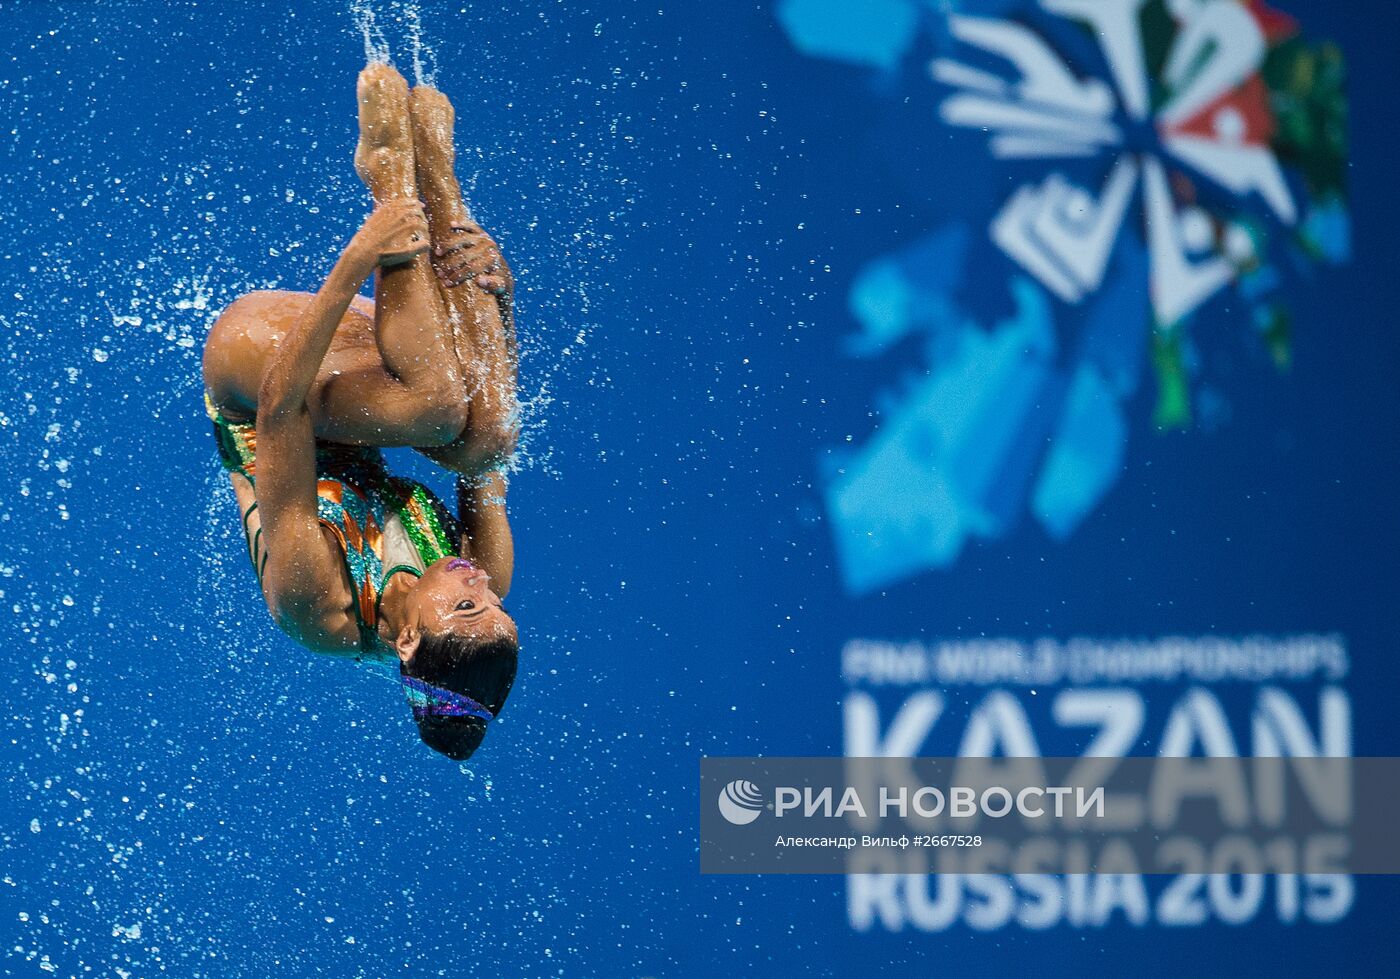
{"x": 428, "y": 700}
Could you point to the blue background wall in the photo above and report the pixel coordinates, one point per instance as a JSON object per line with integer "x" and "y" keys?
{"x": 687, "y": 201}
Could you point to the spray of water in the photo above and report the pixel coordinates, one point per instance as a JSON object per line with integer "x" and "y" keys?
{"x": 376, "y": 44}
{"x": 425, "y": 63}
{"x": 424, "y": 58}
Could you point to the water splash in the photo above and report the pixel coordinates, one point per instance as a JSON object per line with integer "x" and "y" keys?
{"x": 376, "y": 43}
{"x": 409, "y": 14}
{"x": 423, "y": 53}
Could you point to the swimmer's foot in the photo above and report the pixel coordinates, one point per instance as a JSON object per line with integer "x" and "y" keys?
{"x": 384, "y": 156}
{"x": 462, "y": 251}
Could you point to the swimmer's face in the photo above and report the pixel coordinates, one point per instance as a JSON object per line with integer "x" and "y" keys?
{"x": 455, "y": 596}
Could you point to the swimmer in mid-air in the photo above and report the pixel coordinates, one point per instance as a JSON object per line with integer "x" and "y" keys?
{"x": 305, "y": 389}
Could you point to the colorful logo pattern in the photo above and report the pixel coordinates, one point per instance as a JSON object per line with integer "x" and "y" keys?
{"x": 1182, "y": 151}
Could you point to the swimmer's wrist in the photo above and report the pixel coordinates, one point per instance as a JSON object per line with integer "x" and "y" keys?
{"x": 357, "y": 262}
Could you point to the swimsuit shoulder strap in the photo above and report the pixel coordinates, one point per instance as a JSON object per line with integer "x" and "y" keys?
{"x": 426, "y": 521}
{"x": 255, "y": 549}
{"x": 410, "y": 569}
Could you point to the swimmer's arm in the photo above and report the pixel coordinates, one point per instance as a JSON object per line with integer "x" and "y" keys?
{"x": 393, "y": 233}
{"x": 303, "y": 580}
{"x": 486, "y": 537}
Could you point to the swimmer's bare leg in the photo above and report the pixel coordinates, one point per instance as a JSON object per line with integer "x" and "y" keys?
{"x": 423, "y": 405}
{"x": 476, "y": 285}
{"x": 477, "y": 288}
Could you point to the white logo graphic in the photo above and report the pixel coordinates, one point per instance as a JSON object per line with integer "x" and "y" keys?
{"x": 740, "y": 802}
{"x": 1063, "y": 234}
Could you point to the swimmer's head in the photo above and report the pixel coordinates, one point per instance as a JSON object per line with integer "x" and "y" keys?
{"x": 452, "y": 598}
{"x": 457, "y": 637}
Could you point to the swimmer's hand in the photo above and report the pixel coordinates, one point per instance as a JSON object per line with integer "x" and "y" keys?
{"x": 468, "y": 254}
{"x": 394, "y": 233}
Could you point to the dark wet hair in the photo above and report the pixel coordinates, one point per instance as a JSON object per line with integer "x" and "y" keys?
{"x": 482, "y": 669}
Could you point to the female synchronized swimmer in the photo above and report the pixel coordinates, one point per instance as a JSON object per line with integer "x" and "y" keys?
{"x": 305, "y": 389}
